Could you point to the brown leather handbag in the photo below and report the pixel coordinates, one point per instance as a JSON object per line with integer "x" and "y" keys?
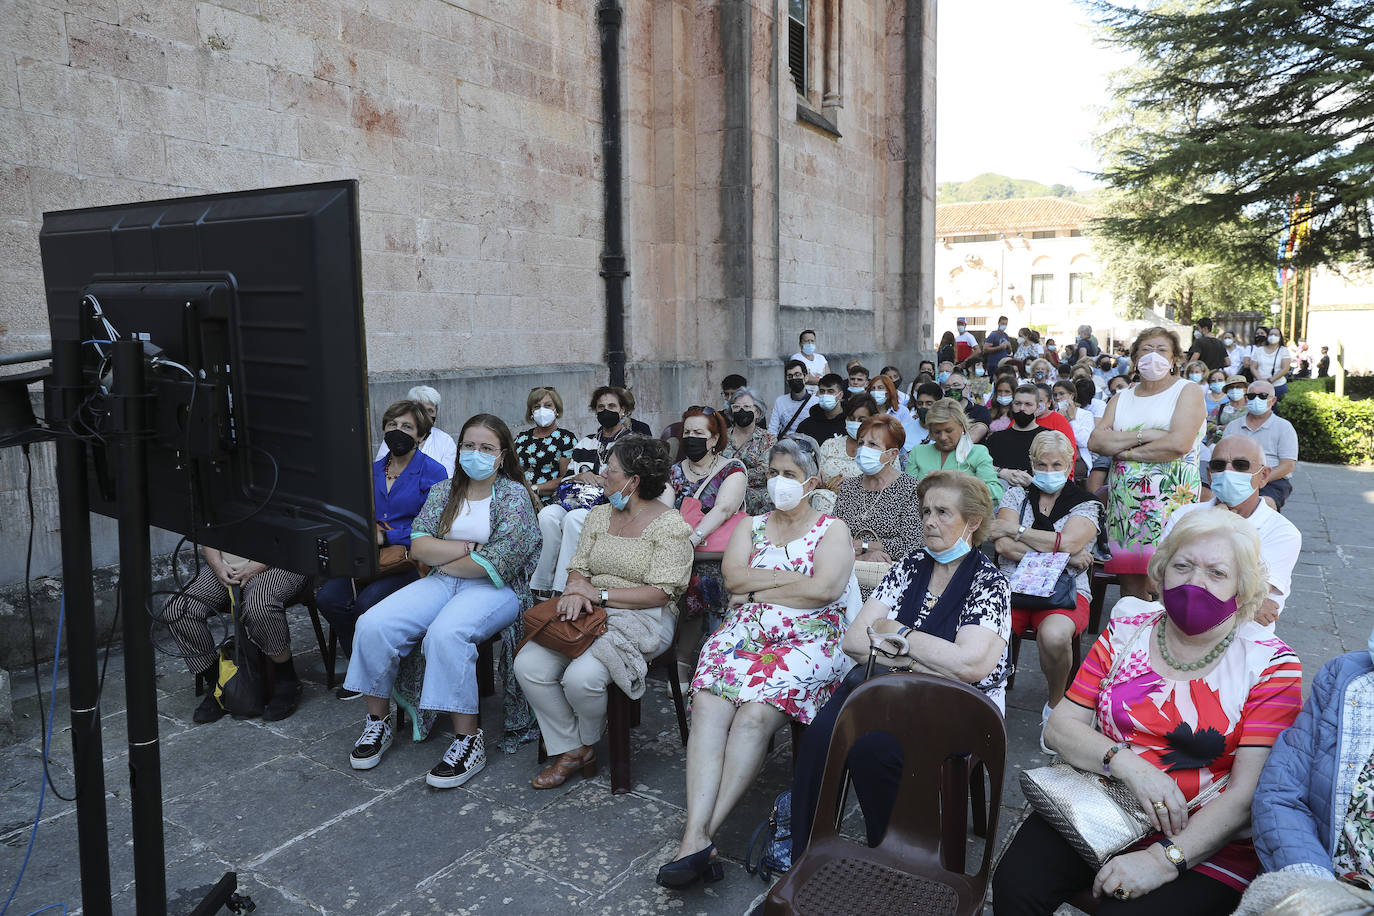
{"x": 392, "y": 560}
{"x": 567, "y": 637}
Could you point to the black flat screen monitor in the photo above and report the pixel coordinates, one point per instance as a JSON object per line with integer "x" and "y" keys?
{"x": 249, "y": 306}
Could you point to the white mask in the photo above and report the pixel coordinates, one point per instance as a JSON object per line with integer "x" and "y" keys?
{"x": 544, "y": 416}
{"x": 1273, "y": 338}
{"x": 785, "y": 493}
{"x": 879, "y": 396}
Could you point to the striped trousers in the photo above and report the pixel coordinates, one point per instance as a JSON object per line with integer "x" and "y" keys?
{"x": 187, "y": 614}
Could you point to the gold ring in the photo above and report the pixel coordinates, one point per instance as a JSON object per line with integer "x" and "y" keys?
{"x": 1160, "y": 806}
{"x": 1121, "y": 894}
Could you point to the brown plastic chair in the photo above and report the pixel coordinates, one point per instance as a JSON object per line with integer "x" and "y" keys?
{"x": 907, "y": 871}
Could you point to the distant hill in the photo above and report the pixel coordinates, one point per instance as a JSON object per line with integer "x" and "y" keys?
{"x": 991, "y": 186}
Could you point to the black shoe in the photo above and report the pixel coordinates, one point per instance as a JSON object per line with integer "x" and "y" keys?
{"x": 286, "y": 696}
{"x": 688, "y": 870}
{"x": 209, "y": 709}
{"x": 343, "y": 693}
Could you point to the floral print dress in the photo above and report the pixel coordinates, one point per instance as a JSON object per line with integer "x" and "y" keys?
{"x": 789, "y": 658}
{"x": 754, "y": 454}
{"x": 1141, "y": 495}
{"x": 540, "y": 455}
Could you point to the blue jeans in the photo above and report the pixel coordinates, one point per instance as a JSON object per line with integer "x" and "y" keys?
{"x": 338, "y": 605}
{"x": 451, "y": 616}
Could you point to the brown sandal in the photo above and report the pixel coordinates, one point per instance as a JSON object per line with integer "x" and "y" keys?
{"x": 563, "y": 766}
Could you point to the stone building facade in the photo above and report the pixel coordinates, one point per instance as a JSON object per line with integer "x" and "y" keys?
{"x": 778, "y": 173}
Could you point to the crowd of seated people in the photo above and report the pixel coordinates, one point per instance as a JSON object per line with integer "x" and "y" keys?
{"x": 784, "y": 542}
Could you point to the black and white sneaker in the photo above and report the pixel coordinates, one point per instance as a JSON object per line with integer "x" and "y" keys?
{"x": 368, "y": 749}
{"x": 463, "y": 760}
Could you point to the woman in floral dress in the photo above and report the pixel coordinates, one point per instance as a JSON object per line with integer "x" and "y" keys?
{"x": 778, "y": 656}
{"x": 1153, "y": 432}
{"x": 749, "y": 442}
{"x": 545, "y": 448}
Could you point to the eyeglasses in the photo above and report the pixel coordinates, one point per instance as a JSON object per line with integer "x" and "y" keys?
{"x": 1217, "y": 465}
{"x": 485, "y": 448}
{"x": 1262, "y": 395}
{"x": 702, "y": 408}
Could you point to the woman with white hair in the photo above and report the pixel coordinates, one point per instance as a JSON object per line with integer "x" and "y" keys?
{"x": 437, "y": 444}
{"x": 1183, "y": 695}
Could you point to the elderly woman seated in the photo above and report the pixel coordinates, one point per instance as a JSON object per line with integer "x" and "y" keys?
{"x": 1182, "y": 695}
{"x": 777, "y": 656}
{"x": 879, "y": 506}
{"x": 951, "y": 449}
{"x": 1314, "y": 806}
{"x": 943, "y": 609}
{"x": 633, "y": 559}
{"x": 839, "y": 456}
{"x": 1051, "y": 515}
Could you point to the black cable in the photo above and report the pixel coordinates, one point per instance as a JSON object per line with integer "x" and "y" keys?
{"x": 33, "y": 627}
{"x": 276, "y": 478}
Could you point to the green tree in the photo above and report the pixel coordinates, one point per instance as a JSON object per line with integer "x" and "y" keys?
{"x": 1243, "y": 107}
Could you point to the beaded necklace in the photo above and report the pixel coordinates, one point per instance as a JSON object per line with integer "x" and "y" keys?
{"x": 1203, "y": 662}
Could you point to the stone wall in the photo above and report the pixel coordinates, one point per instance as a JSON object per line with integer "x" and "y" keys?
{"x": 474, "y": 130}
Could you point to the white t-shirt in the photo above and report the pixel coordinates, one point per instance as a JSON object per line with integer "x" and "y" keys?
{"x": 783, "y": 409}
{"x": 1270, "y": 363}
{"x": 815, "y": 365}
{"x": 1280, "y": 544}
{"x": 472, "y": 523}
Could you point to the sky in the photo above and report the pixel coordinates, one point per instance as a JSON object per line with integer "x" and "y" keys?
{"x": 1018, "y": 85}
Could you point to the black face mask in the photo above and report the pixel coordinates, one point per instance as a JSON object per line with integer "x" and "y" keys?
{"x": 921, "y": 414}
{"x": 1022, "y": 418}
{"x": 795, "y": 385}
{"x": 742, "y": 416}
{"x": 607, "y": 418}
{"x": 399, "y": 442}
{"x": 694, "y": 447}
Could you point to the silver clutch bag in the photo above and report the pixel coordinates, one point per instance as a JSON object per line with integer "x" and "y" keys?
{"x": 1098, "y": 815}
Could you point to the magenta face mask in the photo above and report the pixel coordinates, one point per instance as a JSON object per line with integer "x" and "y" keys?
{"x": 1195, "y": 610}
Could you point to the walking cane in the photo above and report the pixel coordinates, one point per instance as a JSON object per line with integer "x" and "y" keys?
{"x": 868, "y": 673}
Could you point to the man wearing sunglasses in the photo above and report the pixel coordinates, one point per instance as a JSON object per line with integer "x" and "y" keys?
{"x": 1275, "y": 436}
{"x": 1238, "y": 477}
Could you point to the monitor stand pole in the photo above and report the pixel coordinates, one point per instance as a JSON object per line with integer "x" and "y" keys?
{"x": 131, "y": 396}
{"x": 64, "y": 395}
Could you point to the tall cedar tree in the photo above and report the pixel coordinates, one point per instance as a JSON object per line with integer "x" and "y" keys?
{"x": 1280, "y": 102}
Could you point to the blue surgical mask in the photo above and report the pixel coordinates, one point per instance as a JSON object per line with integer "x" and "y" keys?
{"x": 1050, "y": 481}
{"x": 828, "y": 401}
{"x": 618, "y": 500}
{"x": 1232, "y": 487}
{"x": 1195, "y": 378}
{"x": 809, "y": 349}
{"x": 477, "y": 465}
{"x": 979, "y": 371}
{"x": 1005, "y": 399}
{"x": 859, "y": 390}
{"x": 1215, "y": 387}
{"x": 879, "y": 396}
{"x": 1256, "y": 406}
{"x": 941, "y": 378}
{"x": 958, "y": 551}
{"x": 852, "y": 428}
{"x": 1236, "y": 394}
{"x": 869, "y": 459}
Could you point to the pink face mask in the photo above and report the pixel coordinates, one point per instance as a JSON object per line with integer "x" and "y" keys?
{"x": 1153, "y": 367}
{"x": 1195, "y": 610}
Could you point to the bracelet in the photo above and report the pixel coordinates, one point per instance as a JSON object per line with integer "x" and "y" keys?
{"x": 1107, "y": 757}
{"x": 1057, "y": 538}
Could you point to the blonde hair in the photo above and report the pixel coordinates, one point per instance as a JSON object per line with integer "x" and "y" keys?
{"x": 1198, "y": 365}
{"x": 1051, "y": 440}
{"x": 537, "y": 395}
{"x": 947, "y": 410}
{"x": 1040, "y": 363}
{"x": 1252, "y": 577}
{"x": 975, "y": 500}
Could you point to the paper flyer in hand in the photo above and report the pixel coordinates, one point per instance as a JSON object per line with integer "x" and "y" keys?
{"x": 1037, "y": 573}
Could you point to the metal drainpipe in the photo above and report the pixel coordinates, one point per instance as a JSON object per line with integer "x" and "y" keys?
{"x": 609, "y": 17}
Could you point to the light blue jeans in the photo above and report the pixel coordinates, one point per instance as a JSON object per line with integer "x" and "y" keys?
{"x": 452, "y": 616}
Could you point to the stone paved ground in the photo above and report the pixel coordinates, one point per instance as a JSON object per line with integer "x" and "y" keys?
{"x": 278, "y": 802}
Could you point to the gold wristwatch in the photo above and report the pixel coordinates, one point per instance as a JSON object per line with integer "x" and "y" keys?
{"x": 1174, "y": 854}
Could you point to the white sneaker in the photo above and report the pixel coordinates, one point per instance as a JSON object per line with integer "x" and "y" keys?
{"x": 369, "y": 748}
{"x": 1044, "y": 719}
{"x": 463, "y": 760}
